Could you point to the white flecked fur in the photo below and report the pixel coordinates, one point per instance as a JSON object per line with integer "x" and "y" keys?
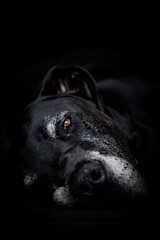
{"x": 62, "y": 196}
{"x": 51, "y": 123}
{"x": 30, "y": 178}
{"x": 120, "y": 171}
{"x": 51, "y": 127}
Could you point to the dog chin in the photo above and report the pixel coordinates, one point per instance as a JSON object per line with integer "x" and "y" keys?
{"x": 63, "y": 197}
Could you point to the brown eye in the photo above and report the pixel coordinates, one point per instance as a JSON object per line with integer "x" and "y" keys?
{"x": 67, "y": 123}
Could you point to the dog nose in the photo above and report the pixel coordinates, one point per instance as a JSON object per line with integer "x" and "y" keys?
{"x": 89, "y": 180}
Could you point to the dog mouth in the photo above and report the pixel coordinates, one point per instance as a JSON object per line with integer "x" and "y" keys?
{"x": 94, "y": 179}
{"x": 84, "y": 187}
{"x": 100, "y": 178}
{"x": 63, "y": 197}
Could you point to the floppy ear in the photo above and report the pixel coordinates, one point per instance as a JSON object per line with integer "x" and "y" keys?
{"x": 70, "y": 81}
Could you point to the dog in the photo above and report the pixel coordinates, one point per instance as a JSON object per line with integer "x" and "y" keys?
{"x": 80, "y": 142}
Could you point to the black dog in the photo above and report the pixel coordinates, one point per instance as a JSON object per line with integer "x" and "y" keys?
{"x": 77, "y": 150}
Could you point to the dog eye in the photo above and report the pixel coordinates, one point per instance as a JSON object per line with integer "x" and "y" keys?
{"x": 67, "y": 123}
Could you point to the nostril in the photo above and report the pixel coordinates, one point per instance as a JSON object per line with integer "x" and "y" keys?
{"x": 95, "y": 174}
{"x": 88, "y": 181}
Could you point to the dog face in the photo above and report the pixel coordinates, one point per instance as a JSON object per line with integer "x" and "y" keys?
{"x": 72, "y": 153}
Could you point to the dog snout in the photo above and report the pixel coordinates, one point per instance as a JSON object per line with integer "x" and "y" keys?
{"x": 89, "y": 180}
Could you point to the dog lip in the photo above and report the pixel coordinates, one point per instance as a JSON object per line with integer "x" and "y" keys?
{"x": 63, "y": 197}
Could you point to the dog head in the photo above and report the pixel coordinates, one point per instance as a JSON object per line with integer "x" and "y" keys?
{"x": 71, "y": 152}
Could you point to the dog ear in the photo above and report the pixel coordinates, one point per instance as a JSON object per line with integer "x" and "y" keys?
{"x": 74, "y": 81}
